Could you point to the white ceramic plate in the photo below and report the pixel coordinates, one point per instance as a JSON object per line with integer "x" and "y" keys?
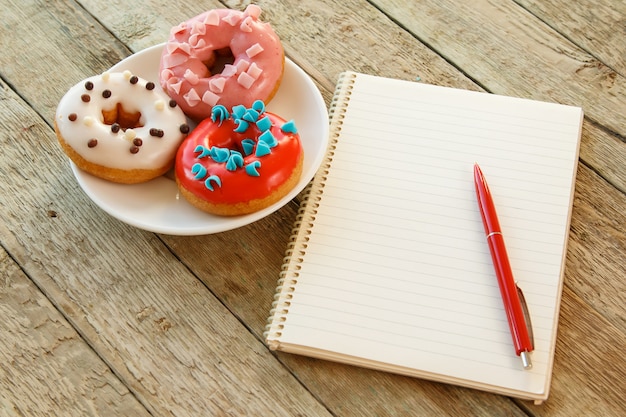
{"x": 157, "y": 206}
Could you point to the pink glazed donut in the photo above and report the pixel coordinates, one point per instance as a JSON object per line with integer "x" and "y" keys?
{"x": 222, "y": 56}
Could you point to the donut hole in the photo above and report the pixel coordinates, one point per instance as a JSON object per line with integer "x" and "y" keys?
{"x": 122, "y": 117}
{"x": 220, "y": 59}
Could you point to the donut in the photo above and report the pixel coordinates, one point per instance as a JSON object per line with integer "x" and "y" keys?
{"x": 221, "y": 56}
{"x": 240, "y": 162}
{"x": 119, "y": 127}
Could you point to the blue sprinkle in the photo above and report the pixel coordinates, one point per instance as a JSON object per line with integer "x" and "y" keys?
{"x": 199, "y": 171}
{"x": 242, "y": 125}
{"x": 220, "y": 113}
{"x": 251, "y": 116}
{"x": 268, "y": 138}
{"x": 204, "y": 152}
{"x": 239, "y": 111}
{"x": 235, "y": 161}
{"x": 262, "y": 149}
{"x": 213, "y": 179}
{"x": 220, "y": 154}
{"x": 259, "y": 106}
{"x": 289, "y": 127}
{"x": 252, "y": 168}
{"x": 264, "y": 124}
{"x": 248, "y": 146}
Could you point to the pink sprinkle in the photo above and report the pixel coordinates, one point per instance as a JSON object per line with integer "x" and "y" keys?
{"x": 166, "y": 74}
{"x": 253, "y": 10}
{"x": 229, "y": 70}
{"x": 245, "y": 80}
{"x": 246, "y": 24}
{"x": 242, "y": 66}
{"x": 216, "y": 85}
{"x": 178, "y": 29}
{"x": 192, "y": 98}
{"x": 232, "y": 18}
{"x": 191, "y": 76}
{"x": 254, "y": 71}
{"x": 212, "y": 18}
{"x": 200, "y": 44}
{"x": 254, "y": 50}
{"x": 199, "y": 28}
{"x": 174, "y": 60}
{"x": 175, "y": 84}
{"x": 178, "y": 46}
{"x": 210, "y": 98}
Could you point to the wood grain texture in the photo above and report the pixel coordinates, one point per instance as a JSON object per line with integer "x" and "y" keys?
{"x": 514, "y": 53}
{"x": 173, "y": 325}
{"x": 165, "y": 335}
{"x": 45, "y": 364}
{"x": 582, "y": 383}
{"x": 172, "y": 343}
{"x": 597, "y": 26}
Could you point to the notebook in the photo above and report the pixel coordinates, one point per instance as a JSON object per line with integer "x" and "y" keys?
{"x": 388, "y": 266}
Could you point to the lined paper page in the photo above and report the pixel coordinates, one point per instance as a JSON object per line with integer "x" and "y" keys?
{"x": 397, "y": 269}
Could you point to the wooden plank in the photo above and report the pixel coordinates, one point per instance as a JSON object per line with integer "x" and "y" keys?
{"x": 149, "y": 22}
{"x": 595, "y": 260}
{"x": 593, "y": 268}
{"x": 176, "y": 347}
{"x": 54, "y": 50}
{"x": 316, "y": 44}
{"x": 528, "y": 58}
{"x": 509, "y": 51}
{"x": 394, "y": 53}
{"x": 597, "y": 26}
{"x": 44, "y": 364}
{"x": 308, "y": 42}
{"x": 589, "y": 376}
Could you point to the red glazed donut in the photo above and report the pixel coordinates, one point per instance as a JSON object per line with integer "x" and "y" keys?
{"x": 222, "y": 56}
{"x": 240, "y": 163}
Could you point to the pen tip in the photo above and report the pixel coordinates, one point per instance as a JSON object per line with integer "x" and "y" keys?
{"x": 526, "y": 362}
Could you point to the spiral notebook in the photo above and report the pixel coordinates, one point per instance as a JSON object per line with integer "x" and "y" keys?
{"x": 388, "y": 266}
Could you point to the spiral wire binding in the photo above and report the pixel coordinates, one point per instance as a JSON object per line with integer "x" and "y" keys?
{"x": 297, "y": 245}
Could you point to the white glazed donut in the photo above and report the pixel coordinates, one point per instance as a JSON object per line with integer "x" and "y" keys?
{"x": 120, "y": 127}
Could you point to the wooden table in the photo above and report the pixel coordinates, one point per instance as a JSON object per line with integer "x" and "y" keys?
{"x": 101, "y": 318}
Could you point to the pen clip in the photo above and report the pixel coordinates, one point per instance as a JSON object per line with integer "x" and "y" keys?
{"x": 529, "y": 326}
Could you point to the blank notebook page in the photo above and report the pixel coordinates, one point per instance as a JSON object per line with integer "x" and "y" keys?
{"x": 396, "y": 272}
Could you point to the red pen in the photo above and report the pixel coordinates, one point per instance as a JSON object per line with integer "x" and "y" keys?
{"x": 512, "y": 296}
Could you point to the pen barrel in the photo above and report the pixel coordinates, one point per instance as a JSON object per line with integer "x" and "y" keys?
{"x": 510, "y": 297}
{"x": 508, "y": 288}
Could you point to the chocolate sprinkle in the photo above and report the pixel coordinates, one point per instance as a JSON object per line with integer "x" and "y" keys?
{"x": 72, "y": 117}
{"x": 85, "y": 98}
{"x": 156, "y": 132}
{"x": 134, "y": 149}
{"x": 184, "y": 128}
{"x": 134, "y": 79}
{"x": 150, "y": 85}
{"x": 172, "y": 103}
{"x": 137, "y": 142}
{"x": 92, "y": 143}
{"x": 106, "y": 93}
{"x": 115, "y": 127}
{"x": 89, "y": 85}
